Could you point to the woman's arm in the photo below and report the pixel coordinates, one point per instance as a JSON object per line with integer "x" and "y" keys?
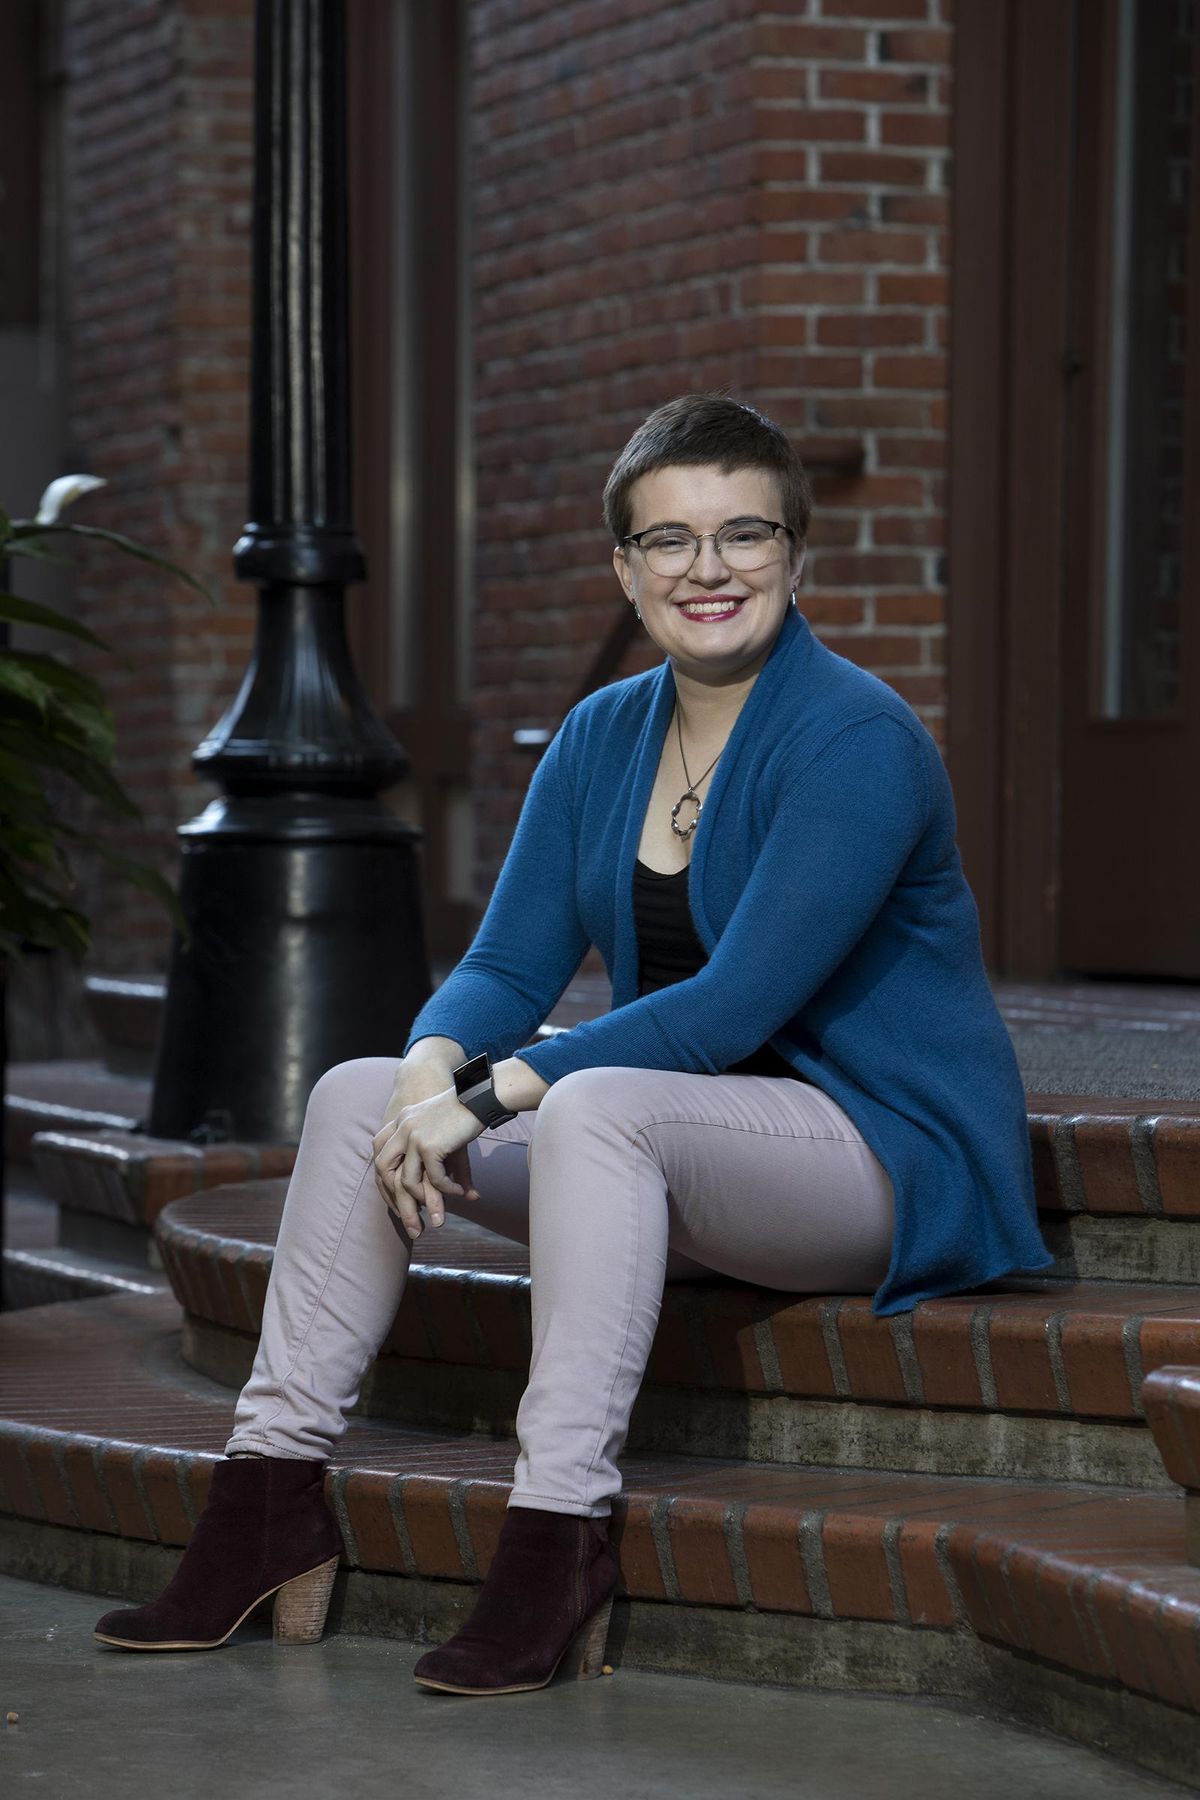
{"x": 834, "y": 852}
{"x": 530, "y": 941}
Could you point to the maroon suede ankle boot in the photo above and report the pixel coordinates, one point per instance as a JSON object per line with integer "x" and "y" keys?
{"x": 544, "y": 1605}
{"x": 265, "y": 1530}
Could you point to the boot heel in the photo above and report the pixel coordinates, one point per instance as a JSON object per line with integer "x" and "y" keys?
{"x": 301, "y": 1605}
{"x": 583, "y": 1658}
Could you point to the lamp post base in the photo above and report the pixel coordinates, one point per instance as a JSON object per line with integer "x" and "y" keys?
{"x": 308, "y": 950}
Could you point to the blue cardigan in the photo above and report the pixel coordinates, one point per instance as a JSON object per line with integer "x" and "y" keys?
{"x": 826, "y": 886}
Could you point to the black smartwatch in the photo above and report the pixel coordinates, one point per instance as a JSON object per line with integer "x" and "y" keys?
{"x": 474, "y": 1086}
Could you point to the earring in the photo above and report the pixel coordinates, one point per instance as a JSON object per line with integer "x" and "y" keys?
{"x": 637, "y": 610}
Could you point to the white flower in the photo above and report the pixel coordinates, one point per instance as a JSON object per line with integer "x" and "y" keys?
{"x": 62, "y": 492}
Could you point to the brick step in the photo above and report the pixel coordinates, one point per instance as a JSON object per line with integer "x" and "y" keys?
{"x": 76, "y": 1096}
{"x": 1009, "y": 1595}
{"x": 1038, "y": 1379}
{"x": 129, "y": 1176}
{"x": 1120, "y": 1194}
{"x": 127, "y": 1012}
{"x": 41, "y": 1277}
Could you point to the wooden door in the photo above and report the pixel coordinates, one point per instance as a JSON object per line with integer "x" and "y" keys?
{"x": 1130, "y": 847}
{"x": 1074, "y": 599}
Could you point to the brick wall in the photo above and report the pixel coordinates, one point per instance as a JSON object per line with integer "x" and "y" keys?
{"x": 664, "y": 196}
{"x": 157, "y": 122}
{"x": 710, "y": 193}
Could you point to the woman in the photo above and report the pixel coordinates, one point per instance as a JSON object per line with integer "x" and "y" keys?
{"x": 803, "y": 1081}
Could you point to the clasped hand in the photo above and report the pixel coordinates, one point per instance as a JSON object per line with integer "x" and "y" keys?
{"x": 421, "y": 1156}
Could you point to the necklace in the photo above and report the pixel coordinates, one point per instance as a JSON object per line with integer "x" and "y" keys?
{"x": 689, "y": 792}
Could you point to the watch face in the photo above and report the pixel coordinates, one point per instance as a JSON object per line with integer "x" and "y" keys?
{"x": 470, "y": 1074}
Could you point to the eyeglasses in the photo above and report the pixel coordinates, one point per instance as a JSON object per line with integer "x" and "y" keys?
{"x": 741, "y": 544}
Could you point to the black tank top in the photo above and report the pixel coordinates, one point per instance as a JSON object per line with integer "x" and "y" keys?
{"x": 669, "y": 951}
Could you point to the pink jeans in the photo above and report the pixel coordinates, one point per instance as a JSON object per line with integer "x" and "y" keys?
{"x": 620, "y": 1180}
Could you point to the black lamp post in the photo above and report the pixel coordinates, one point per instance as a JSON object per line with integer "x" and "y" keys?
{"x": 301, "y": 887}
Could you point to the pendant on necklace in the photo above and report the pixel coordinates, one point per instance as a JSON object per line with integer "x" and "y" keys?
{"x": 699, "y": 805}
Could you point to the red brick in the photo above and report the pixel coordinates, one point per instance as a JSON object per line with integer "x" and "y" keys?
{"x": 873, "y": 168}
{"x": 365, "y": 1495}
{"x": 641, "y": 1572}
{"x": 833, "y": 609}
{"x": 870, "y": 328}
{"x": 796, "y": 1329}
{"x": 1104, "y": 1147}
{"x": 926, "y": 371}
{"x": 124, "y": 1498}
{"x": 485, "y": 1509}
{"x": 773, "y": 1559}
{"x": 870, "y": 246}
{"x": 868, "y": 1348}
{"x": 914, "y": 209}
{"x": 728, "y": 1322}
{"x": 1171, "y": 1396}
{"x": 426, "y": 1507}
{"x": 1177, "y": 1162}
{"x": 924, "y": 1586}
{"x": 941, "y": 1339}
{"x": 897, "y": 86}
{"x": 927, "y": 531}
{"x": 1020, "y": 1357}
{"x": 799, "y": 287}
{"x": 90, "y": 1501}
{"x": 55, "y": 1496}
{"x": 870, "y": 412}
{"x": 924, "y": 129}
{"x": 876, "y": 10}
{"x": 900, "y": 452}
{"x": 808, "y": 124}
{"x": 868, "y": 569}
{"x": 925, "y": 47}
{"x": 1166, "y": 1342}
{"x": 699, "y": 1552}
{"x": 914, "y": 290}
{"x": 856, "y": 1567}
{"x": 810, "y": 43}
{"x": 910, "y": 609}
{"x": 160, "y": 1484}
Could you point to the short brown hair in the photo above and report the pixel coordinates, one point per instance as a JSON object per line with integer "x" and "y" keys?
{"x": 713, "y": 429}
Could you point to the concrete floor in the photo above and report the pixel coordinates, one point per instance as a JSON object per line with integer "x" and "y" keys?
{"x": 344, "y": 1718}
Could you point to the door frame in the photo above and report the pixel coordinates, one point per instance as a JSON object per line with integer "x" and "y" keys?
{"x": 1011, "y": 366}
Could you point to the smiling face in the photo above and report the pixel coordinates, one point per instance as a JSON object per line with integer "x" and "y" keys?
{"x": 715, "y": 623}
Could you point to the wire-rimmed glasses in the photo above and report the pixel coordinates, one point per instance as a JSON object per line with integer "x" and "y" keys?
{"x": 742, "y": 545}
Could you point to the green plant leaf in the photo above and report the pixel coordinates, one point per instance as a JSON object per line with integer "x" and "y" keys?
{"x": 18, "y": 777}
{"x": 60, "y": 677}
{"x": 36, "y": 552}
{"x": 28, "y": 529}
{"x": 32, "y": 612}
{"x": 84, "y": 769}
{"x": 61, "y": 707}
{"x": 24, "y": 685}
{"x": 26, "y": 812}
{"x": 42, "y": 927}
{"x": 30, "y": 845}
